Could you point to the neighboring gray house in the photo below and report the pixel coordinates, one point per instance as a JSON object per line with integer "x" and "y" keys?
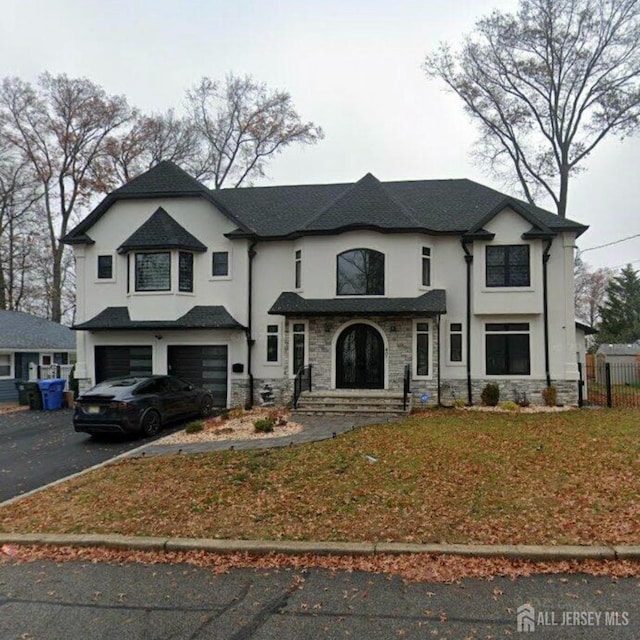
{"x": 27, "y": 339}
{"x": 624, "y": 362}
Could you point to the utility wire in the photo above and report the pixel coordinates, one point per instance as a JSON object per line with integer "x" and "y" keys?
{"x": 609, "y": 244}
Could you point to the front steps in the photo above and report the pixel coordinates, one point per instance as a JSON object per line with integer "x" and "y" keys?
{"x": 365, "y": 401}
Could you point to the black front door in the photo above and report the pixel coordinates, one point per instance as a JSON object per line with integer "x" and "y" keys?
{"x": 360, "y": 358}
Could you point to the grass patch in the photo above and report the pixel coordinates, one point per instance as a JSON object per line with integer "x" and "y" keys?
{"x": 443, "y": 476}
{"x": 195, "y": 427}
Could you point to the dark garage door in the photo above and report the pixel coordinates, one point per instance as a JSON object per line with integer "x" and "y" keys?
{"x": 114, "y": 361}
{"x": 202, "y": 365}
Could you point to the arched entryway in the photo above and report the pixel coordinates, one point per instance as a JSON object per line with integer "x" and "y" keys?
{"x": 360, "y": 358}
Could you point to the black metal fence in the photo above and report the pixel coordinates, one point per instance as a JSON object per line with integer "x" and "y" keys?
{"x": 609, "y": 384}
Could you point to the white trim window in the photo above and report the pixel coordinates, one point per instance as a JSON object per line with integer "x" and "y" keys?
{"x": 297, "y": 274}
{"x": 185, "y": 272}
{"x": 455, "y": 354}
{"x": 105, "y": 268}
{"x": 273, "y": 344}
{"x": 299, "y": 346}
{"x": 422, "y": 349}
{"x": 5, "y": 365}
{"x": 153, "y": 271}
{"x": 220, "y": 265}
{"x": 425, "y": 267}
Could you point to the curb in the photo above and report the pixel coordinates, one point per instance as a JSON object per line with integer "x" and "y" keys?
{"x": 262, "y": 547}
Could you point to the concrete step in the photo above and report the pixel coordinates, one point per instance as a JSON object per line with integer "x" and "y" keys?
{"x": 351, "y": 402}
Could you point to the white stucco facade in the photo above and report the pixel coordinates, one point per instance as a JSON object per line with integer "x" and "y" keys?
{"x": 273, "y": 272}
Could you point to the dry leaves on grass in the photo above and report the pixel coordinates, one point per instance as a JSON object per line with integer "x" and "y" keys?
{"x": 411, "y": 567}
{"x": 443, "y": 477}
{"x": 237, "y": 427}
{"x": 12, "y": 408}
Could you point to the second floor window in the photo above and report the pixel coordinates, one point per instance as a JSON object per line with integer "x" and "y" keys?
{"x": 105, "y": 267}
{"x": 185, "y": 272}
{"x": 298, "y": 270}
{"x": 508, "y": 266}
{"x": 426, "y": 267}
{"x": 153, "y": 271}
{"x": 360, "y": 273}
{"x": 220, "y": 263}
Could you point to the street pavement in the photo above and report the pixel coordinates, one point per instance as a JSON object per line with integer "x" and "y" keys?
{"x": 39, "y": 447}
{"x": 45, "y": 600}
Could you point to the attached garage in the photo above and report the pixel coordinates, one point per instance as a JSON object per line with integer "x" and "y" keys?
{"x": 114, "y": 361}
{"x": 205, "y": 365}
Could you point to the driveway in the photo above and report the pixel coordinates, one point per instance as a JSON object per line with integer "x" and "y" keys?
{"x": 38, "y": 447}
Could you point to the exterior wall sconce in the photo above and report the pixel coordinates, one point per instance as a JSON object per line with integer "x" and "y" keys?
{"x": 158, "y": 337}
{"x": 327, "y": 328}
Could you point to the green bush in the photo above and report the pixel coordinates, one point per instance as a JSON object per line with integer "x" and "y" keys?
{"x": 195, "y": 426}
{"x": 459, "y": 403}
{"x": 490, "y": 395}
{"x": 509, "y": 405}
{"x": 550, "y": 396}
{"x": 264, "y": 425}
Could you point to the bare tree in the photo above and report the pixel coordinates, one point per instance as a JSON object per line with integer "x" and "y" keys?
{"x": 241, "y": 125}
{"x": 590, "y": 289}
{"x": 546, "y": 86}
{"x": 148, "y": 140}
{"x": 18, "y": 194}
{"x": 60, "y": 128}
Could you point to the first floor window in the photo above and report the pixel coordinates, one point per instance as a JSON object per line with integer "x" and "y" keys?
{"x": 219, "y": 264}
{"x": 61, "y": 358}
{"x": 507, "y": 349}
{"x": 5, "y": 365}
{"x": 298, "y": 346}
{"x": 455, "y": 342}
{"x": 105, "y": 267}
{"x": 422, "y": 348}
{"x": 185, "y": 272}
{"x": 153, "y": 271}
{"x": 272, "y": 343}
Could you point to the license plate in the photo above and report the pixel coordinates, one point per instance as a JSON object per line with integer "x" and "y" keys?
{"x": 93, "y": 409}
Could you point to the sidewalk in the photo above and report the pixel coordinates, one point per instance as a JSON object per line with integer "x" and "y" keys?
{"x": 314, "y": 428}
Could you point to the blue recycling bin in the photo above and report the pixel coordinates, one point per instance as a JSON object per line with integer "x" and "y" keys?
{"x": 52, "y": 393}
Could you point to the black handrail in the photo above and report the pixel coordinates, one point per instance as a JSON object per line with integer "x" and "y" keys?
{"x": 407, "y": 385}
{"x": 302, "y": 382}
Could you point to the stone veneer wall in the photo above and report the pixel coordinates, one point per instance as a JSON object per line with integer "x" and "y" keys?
{"x": 452, "y": 390}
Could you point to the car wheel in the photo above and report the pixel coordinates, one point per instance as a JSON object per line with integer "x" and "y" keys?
{"x": 206, "y": 406}
{"x": 151, "y": 423}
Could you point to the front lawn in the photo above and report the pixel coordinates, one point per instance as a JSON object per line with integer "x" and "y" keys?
{"x": 444, "y": 476}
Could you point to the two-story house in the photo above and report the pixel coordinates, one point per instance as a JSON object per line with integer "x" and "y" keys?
{"x": 447, "y": 280}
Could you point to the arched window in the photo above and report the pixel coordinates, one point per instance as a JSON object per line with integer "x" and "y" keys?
{"x": 360, "y": 273}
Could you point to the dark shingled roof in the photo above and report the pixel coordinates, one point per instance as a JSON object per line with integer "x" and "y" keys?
{"x": 20, "y": 330}
{"x": 161, "y": 231}
{"x": 428, "y": 206}
{"x": 199, "y": 317}
{"x": 291, "y": 304}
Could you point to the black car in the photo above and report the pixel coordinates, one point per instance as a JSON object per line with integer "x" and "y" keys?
{"x": 137, "y": 404}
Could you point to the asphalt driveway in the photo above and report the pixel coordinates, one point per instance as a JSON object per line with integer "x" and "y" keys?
{"x": 38, "y": 447}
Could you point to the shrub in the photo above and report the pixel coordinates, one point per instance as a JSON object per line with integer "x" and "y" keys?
{"x": 264, "y": 425}
{"x": 509, "y": 405}
{"x": 459, "y": 403}
{"x": 195, "y": 426}
{"x": 490, "y": 395}
{"x": 550, "y": 396}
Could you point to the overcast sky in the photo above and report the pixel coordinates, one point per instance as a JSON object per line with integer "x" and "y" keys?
{"x": 351, "y": 66}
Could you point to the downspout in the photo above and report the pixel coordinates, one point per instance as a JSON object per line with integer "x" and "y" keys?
{"x": 468, "y": 258}
{"x": 439, "y": 354}
{"x": 545, "y": 312}
{"x": 251, "y": 252}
